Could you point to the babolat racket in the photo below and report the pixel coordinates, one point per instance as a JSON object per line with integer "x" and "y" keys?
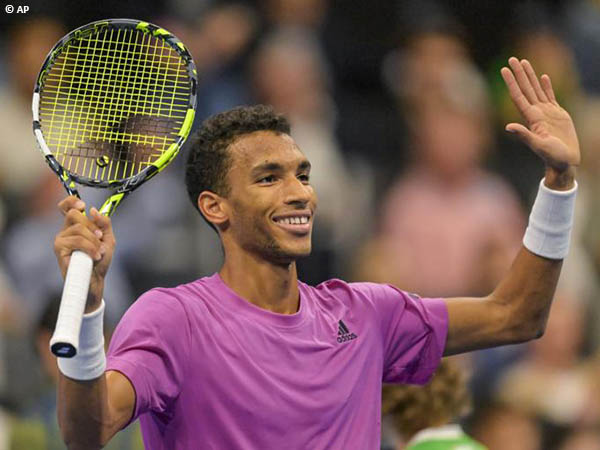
{"x": 113, "y": 104}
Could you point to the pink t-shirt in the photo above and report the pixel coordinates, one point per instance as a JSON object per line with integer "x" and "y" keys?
{"x": 213, "y": 371}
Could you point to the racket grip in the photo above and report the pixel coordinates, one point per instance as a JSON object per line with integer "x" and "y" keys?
{"x": 65, "y": 340}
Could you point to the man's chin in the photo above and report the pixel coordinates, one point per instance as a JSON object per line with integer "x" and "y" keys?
{"x": 291, "y": 255}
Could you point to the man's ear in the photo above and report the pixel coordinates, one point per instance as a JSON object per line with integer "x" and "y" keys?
{"x": 213, "y": 207}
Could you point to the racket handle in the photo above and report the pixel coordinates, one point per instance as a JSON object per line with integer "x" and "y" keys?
{"x": 65, "y": 340}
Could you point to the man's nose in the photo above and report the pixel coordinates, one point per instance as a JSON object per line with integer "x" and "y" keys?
{"x": 297, "y": 192}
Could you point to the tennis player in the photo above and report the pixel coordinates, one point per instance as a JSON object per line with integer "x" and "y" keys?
{"x": 251, "y": 357}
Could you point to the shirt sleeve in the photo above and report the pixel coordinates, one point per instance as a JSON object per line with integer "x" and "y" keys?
{"x": 414, "y": 332}
{"x": 149, "y": 347}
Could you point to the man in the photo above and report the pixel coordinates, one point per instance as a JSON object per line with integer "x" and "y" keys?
{"x": 251, "y": 357}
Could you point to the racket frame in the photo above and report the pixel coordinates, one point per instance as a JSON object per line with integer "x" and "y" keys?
{"x": 65, "y": 341}
{"x": 127, "y": 185}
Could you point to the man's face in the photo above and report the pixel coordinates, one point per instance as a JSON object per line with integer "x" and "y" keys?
{"x": 271, "y": 202}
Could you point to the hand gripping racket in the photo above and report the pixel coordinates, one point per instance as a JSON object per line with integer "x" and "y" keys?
{"x": 113, "y": 104}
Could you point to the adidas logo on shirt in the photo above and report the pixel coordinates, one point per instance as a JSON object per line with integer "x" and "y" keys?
{"x": 344, "y": 334}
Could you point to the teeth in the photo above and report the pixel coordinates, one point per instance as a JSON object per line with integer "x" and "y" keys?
{"x": 294, "y": 220}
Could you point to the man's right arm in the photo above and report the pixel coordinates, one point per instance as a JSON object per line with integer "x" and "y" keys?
{"x": 90, "y": 412}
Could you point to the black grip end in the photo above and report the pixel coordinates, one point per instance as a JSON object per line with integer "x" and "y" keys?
{"x": 63, "y": 350}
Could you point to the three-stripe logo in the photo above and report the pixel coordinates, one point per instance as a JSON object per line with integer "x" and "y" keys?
{"x": 344, "y": 334}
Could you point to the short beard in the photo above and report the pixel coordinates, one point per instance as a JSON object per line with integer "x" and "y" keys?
{"x": 269, "y": 249}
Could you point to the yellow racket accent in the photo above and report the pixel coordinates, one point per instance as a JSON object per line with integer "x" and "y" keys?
{"x": 111, "y": 204}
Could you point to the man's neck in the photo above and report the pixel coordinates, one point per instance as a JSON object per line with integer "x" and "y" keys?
{"x": 269, "y": 286}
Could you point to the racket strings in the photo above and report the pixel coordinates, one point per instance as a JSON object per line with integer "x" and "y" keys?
{"x": 113, "y": 102}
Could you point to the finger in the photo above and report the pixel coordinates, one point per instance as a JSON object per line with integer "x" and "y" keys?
{"x": 533, "y": 79}
{"x": 75, "y": 217}
{"x": 66, "y": 245}
{"x": 547, "y": 86}
{"x": 515, "y": 92}
{"x": 82, "y": 230}
{"x": 102, "y": 222}
{"x": 71, "y": 202}
{"x": 523, "y": 134}
{"x": 522, "y": 80}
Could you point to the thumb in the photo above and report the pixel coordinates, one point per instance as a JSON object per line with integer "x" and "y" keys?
{"x": 523, "y": 133}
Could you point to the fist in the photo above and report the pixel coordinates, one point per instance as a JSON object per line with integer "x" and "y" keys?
{"x": 92, "y": 235}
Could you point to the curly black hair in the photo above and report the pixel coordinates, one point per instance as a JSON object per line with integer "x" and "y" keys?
{"x": 209, "y": 160}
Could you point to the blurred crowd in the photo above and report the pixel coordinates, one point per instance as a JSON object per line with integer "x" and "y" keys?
{"x": 400, "y": 107}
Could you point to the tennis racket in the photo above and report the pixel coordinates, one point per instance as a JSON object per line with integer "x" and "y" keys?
{"x": 113, "y": 104}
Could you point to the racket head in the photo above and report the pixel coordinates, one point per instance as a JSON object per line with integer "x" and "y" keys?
{"x": 113, "y": 103}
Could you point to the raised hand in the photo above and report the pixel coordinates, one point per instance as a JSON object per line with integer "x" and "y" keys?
{"x": 92, "y": 235}
{"x": 550, "y": 132}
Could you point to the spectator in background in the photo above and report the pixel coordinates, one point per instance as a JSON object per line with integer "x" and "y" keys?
{"x": 425, "y": 416}
{"x": 499, "y": 427}
{"x": 582, "y": 268}
{"x": 220, "y": 40}
{"x": 553, "y": 382}
{"x": 445, "y": 218}
{"x": 588, "y": 116}
{"x": 289, "y": 72}
{"x": 12, "y": 319}
{"x": 415, "y": 71}
{"x": 28, "y": 43}
{"x": 582, "y": 20}
{"x": 582, "y": 439}
{"x": 308, "y": 14}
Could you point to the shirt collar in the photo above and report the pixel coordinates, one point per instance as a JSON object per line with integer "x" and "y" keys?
{"x": 443, "y": 432}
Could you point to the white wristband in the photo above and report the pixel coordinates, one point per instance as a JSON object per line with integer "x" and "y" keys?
{"x": 550, "y": 222}
{"x": 90, "y": 361}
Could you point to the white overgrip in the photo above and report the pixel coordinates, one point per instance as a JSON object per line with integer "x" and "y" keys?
{"x": 65, "y": 340}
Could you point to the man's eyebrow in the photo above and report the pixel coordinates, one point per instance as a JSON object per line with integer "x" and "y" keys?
{"x": 266, "y": 167}
{"x": 276, "y": 167}
{"x": 304, "y": 165}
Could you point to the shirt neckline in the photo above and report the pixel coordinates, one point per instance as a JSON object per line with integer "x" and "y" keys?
{"x": 451, "y": 431}
{"x": 239, "y": 305}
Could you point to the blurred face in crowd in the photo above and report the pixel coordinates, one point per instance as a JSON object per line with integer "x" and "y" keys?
{"x": 30, "y": 43}
{"x": 503, "y": 429}
{"x": 429, "y": 53}
{"x": 223, "y": 33}
{"x": 582, "y": 440}
{"x": 447, "y": 104}
{"x": 307, "y": 13}
{"x": 271, "y": 203}
{"x": 449, "y": 142}
{"x": 288, "y": 77}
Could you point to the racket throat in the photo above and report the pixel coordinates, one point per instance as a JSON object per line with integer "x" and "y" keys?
{"x": 112, "y": 202}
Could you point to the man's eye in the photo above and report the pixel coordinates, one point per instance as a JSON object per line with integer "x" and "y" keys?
{"x": 267, "y": 179}
{"x": 304, "y": 178}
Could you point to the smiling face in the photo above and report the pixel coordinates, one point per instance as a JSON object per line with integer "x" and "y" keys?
{"x": 271, "y": 204}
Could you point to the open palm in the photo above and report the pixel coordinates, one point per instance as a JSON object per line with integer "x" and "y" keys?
{"x": 550, "y": 131}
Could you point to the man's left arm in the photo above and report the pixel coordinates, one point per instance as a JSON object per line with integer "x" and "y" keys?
{"x": 517, "y": 310}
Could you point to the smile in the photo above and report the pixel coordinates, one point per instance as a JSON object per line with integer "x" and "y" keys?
{"x": 295, "y": 223}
